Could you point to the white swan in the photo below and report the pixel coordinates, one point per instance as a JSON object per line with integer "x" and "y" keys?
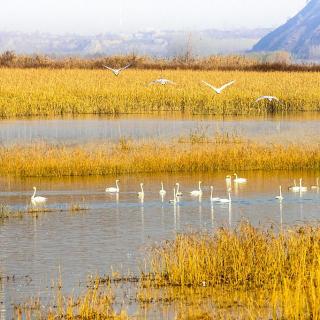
{"x": 228, "y": 200}
{"x": 161, "y": 81}
{"x": 218, "y": 90}
{"x": 239, "y": 180}
{"x": 162, "y": 191}
{"x": 280, "y": 197}
{"x": 36, "y": 201}
{"x": 178, "y": 193}
{"x": 316, "y": 187}
{"x": 113, "y": 189}
{"x": 175, "y": 199}
{"x": 302, "y": 189}
{"x": 141, "y": 193}
{"x": 294, "y": 188}
{"x": 212, "y": 199}
{"x": 116, "y": 72}
{"x": 197, "y": 193}
{"x": 270, "y": 98}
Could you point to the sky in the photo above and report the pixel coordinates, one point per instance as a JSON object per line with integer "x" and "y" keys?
{"x": 88, "y": 17}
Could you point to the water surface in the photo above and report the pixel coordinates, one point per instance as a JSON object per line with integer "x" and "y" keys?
{"x": 114, "y": 232}
{"x": 285, "y": 128}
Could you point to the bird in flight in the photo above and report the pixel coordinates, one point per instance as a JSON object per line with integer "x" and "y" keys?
{"x": 219, "y": 90}
{"x": 270, "y": 98}
{"x": 116, "y": 72}
{"x": 161, "y": 81}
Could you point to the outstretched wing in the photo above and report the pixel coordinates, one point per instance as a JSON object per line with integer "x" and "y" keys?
{"x": 261, "y": 98}
{"x": 108, "y": 68}
{"x": 210, "y": 86}
{"x": 270, "y": 98}
{"x": 227, "y": 85}
{"x": 169, "y": 81}
{"x": 152, "y": 82}
{"x": 126, "y": 67}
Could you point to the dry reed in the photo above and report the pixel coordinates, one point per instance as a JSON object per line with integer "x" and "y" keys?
{"x": 278, "y": 272}
{"x": 95, "y": 303}
{"x": 247, "y": 273}
{"x": 278, "y": 61}
{"x": 193, "y": 154}
{"x": 44, "y": 92}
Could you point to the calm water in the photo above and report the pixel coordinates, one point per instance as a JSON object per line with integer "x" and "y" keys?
{"x": 81, "y": 130}
{"x": 115, "y": 230}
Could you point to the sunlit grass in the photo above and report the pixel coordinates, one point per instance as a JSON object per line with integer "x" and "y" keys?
{"x": 95, "y": 303}
{"x": 46, "y": 92}
{"x": 246, "y": 271}
{"x": 190, "y": 154}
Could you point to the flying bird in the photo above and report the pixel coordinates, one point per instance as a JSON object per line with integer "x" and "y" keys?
{"x": 116, "y": 72}
{"x": 161, "y": 81}
{"x": 218, "y": 90}
{"x": 270, "y": 98}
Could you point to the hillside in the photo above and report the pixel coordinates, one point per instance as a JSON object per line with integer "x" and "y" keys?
{"x": 300, "y": 35}
{"x": 153, "y": 43}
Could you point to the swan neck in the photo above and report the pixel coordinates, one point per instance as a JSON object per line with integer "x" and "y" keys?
{"x": 34, "y": 192}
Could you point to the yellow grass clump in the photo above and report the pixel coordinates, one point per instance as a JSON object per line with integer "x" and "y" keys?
{"x": 278, "y": 272}
{"x": 95, "y": 303}
{"x": 193, "y": 154}
{"x": 47, "y": 92}
{"x": 246, "y": 273}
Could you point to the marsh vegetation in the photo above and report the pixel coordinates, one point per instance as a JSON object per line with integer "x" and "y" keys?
{"x": 46, "y": 92}
{"x": 235, "y": 274}
{"x": 193, "y": 153}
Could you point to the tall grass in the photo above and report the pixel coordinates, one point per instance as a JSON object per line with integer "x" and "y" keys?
{"x": 44, "y": 92}
{"x": 282, "y": 270}
{"x": 246, "y": 273}
{"x": 193, "y": 154}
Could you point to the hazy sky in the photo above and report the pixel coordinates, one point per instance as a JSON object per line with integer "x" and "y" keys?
{"x": 99, "y": 16}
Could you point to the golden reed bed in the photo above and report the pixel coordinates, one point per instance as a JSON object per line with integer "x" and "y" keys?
{"x": 49, "y": 92}
{"x": 191, "y": 154}
{"x": 247, "y": 273}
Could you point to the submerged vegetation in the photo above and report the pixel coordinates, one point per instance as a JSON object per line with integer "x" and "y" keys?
{"x": 195, "y": 153}
{"x": 48, "y": 92}
{"x": 95, "y": 303}
{"x": 247, "y": 273}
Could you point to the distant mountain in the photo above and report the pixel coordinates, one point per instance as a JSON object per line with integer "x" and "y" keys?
{"x": 154, "y": 43}
{"x": 300, "y": 35}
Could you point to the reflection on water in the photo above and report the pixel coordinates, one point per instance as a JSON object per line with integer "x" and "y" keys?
{"x": 90, "y": 129}
{"x": 115, "y": 230}
{"x": 2, "y": 301}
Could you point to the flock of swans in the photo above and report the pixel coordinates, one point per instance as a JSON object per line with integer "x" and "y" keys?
{"x": 177, "y": 194}
{"x": 37, "y": 201}
{"x": 217, "y": 90}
